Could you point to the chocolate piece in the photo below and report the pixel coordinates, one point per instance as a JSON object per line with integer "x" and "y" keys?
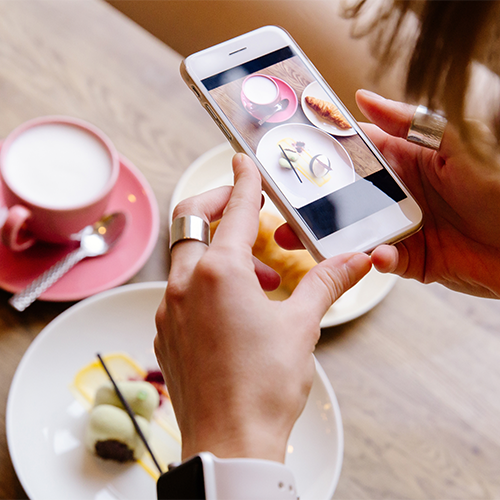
{"x": 112, "y": 449}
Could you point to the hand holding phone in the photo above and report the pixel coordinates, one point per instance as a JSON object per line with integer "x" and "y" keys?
{"x": 321, "y": 171}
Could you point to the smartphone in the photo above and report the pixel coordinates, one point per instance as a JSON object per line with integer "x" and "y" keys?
{"x": 324, "y": 175}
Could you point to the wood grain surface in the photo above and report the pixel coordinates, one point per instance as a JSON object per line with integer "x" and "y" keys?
{"x": 417, "y": 377}
{"x": 296, "y": 75}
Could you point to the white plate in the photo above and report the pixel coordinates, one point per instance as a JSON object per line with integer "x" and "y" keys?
{"x": 213, "y": 169}
{"x": 314, "y": 89}
{"x": 300, "y": 186}
{"x": 46, "y": 424}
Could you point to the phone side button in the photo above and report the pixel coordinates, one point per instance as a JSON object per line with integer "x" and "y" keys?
{"x": 196, "y": 92}
{"x": 215, "y": 118}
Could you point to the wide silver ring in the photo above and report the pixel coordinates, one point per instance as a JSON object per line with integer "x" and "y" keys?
{"x": 189, "y": 227}
{"x": 427, "y": 128}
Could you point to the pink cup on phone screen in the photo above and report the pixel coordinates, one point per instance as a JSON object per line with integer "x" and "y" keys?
{"x": 57, "y": 175}
{"x": 260, "y": 93}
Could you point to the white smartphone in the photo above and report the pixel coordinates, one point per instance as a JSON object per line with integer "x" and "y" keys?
{"x": 321, "y": 171}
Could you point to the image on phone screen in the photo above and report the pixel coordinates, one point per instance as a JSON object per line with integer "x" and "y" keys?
{"x": 305, "y": 143}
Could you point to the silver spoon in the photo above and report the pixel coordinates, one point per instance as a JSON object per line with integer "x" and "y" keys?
{"x": 94, "y": 240}
{"x": 281, "y": 106}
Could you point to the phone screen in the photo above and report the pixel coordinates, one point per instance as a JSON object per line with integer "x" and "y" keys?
{"x": 305, "y": 143}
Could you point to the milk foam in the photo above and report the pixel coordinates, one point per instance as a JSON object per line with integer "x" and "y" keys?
{"x": 57, "y": 165}
{"x": 260, "y": 90}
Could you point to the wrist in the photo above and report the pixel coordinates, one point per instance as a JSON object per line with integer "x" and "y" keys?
{"x": 258, "y": 445}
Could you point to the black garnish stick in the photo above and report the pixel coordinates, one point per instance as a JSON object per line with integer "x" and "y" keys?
{"x": 291, "y": 164}
{"x": 130, "y": 413}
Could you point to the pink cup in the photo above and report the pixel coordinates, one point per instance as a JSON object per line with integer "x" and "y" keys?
{"x": 259, "y": 93}
{"x": 57, "y": 175}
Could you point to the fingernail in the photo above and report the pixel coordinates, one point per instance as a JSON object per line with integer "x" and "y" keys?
{"x": 359, "y": 262}
{"x": 238, "y": 158}
{"x": 372, "y": 95}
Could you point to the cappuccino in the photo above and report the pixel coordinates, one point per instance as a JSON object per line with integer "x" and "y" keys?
{"x": 58, "y": 166}
{"x": 260, "y": 90}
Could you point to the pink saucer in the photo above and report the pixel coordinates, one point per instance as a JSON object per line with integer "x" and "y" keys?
{"x": 286, "y": 92}
{"x": 133, "y": 195}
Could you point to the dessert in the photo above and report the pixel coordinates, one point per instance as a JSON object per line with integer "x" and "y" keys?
{"x": 142, "y": 397}
{"x": 110, "y": 427}
{"x": 296, "y": 158}
{"x": 110, "y": 432}
{"x": 328, "y": 112}
{"x": 320, "y": 165}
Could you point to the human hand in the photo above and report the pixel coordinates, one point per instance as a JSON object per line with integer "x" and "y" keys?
{"x": 238, "y": 366}
{"x": 459, "y": 245}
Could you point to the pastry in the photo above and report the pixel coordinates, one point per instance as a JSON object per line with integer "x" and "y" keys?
{"x": 327, "y": 111}
{"x": 291, "y": 265}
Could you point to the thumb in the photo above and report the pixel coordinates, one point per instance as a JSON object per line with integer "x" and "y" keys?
{"x": 327, "y": 281}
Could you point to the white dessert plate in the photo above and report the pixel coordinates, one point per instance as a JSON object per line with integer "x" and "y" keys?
{"x": 213, "y": 169}
{"x": 300, "y": 185}
{"x": 46, "y": 424}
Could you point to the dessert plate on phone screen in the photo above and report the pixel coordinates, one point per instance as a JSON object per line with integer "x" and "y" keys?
{"x": 213, "y": 169}
{"x": 46, "y": 423}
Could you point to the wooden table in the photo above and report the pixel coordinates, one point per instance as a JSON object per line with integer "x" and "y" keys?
{"x": 417, "y": 378}
{"x": 294, "y": 74}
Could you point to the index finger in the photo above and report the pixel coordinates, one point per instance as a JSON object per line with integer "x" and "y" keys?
{"x": 209, "y": 206}
{"x": 240, "y": 222}
{"x": 392, "y": 117}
